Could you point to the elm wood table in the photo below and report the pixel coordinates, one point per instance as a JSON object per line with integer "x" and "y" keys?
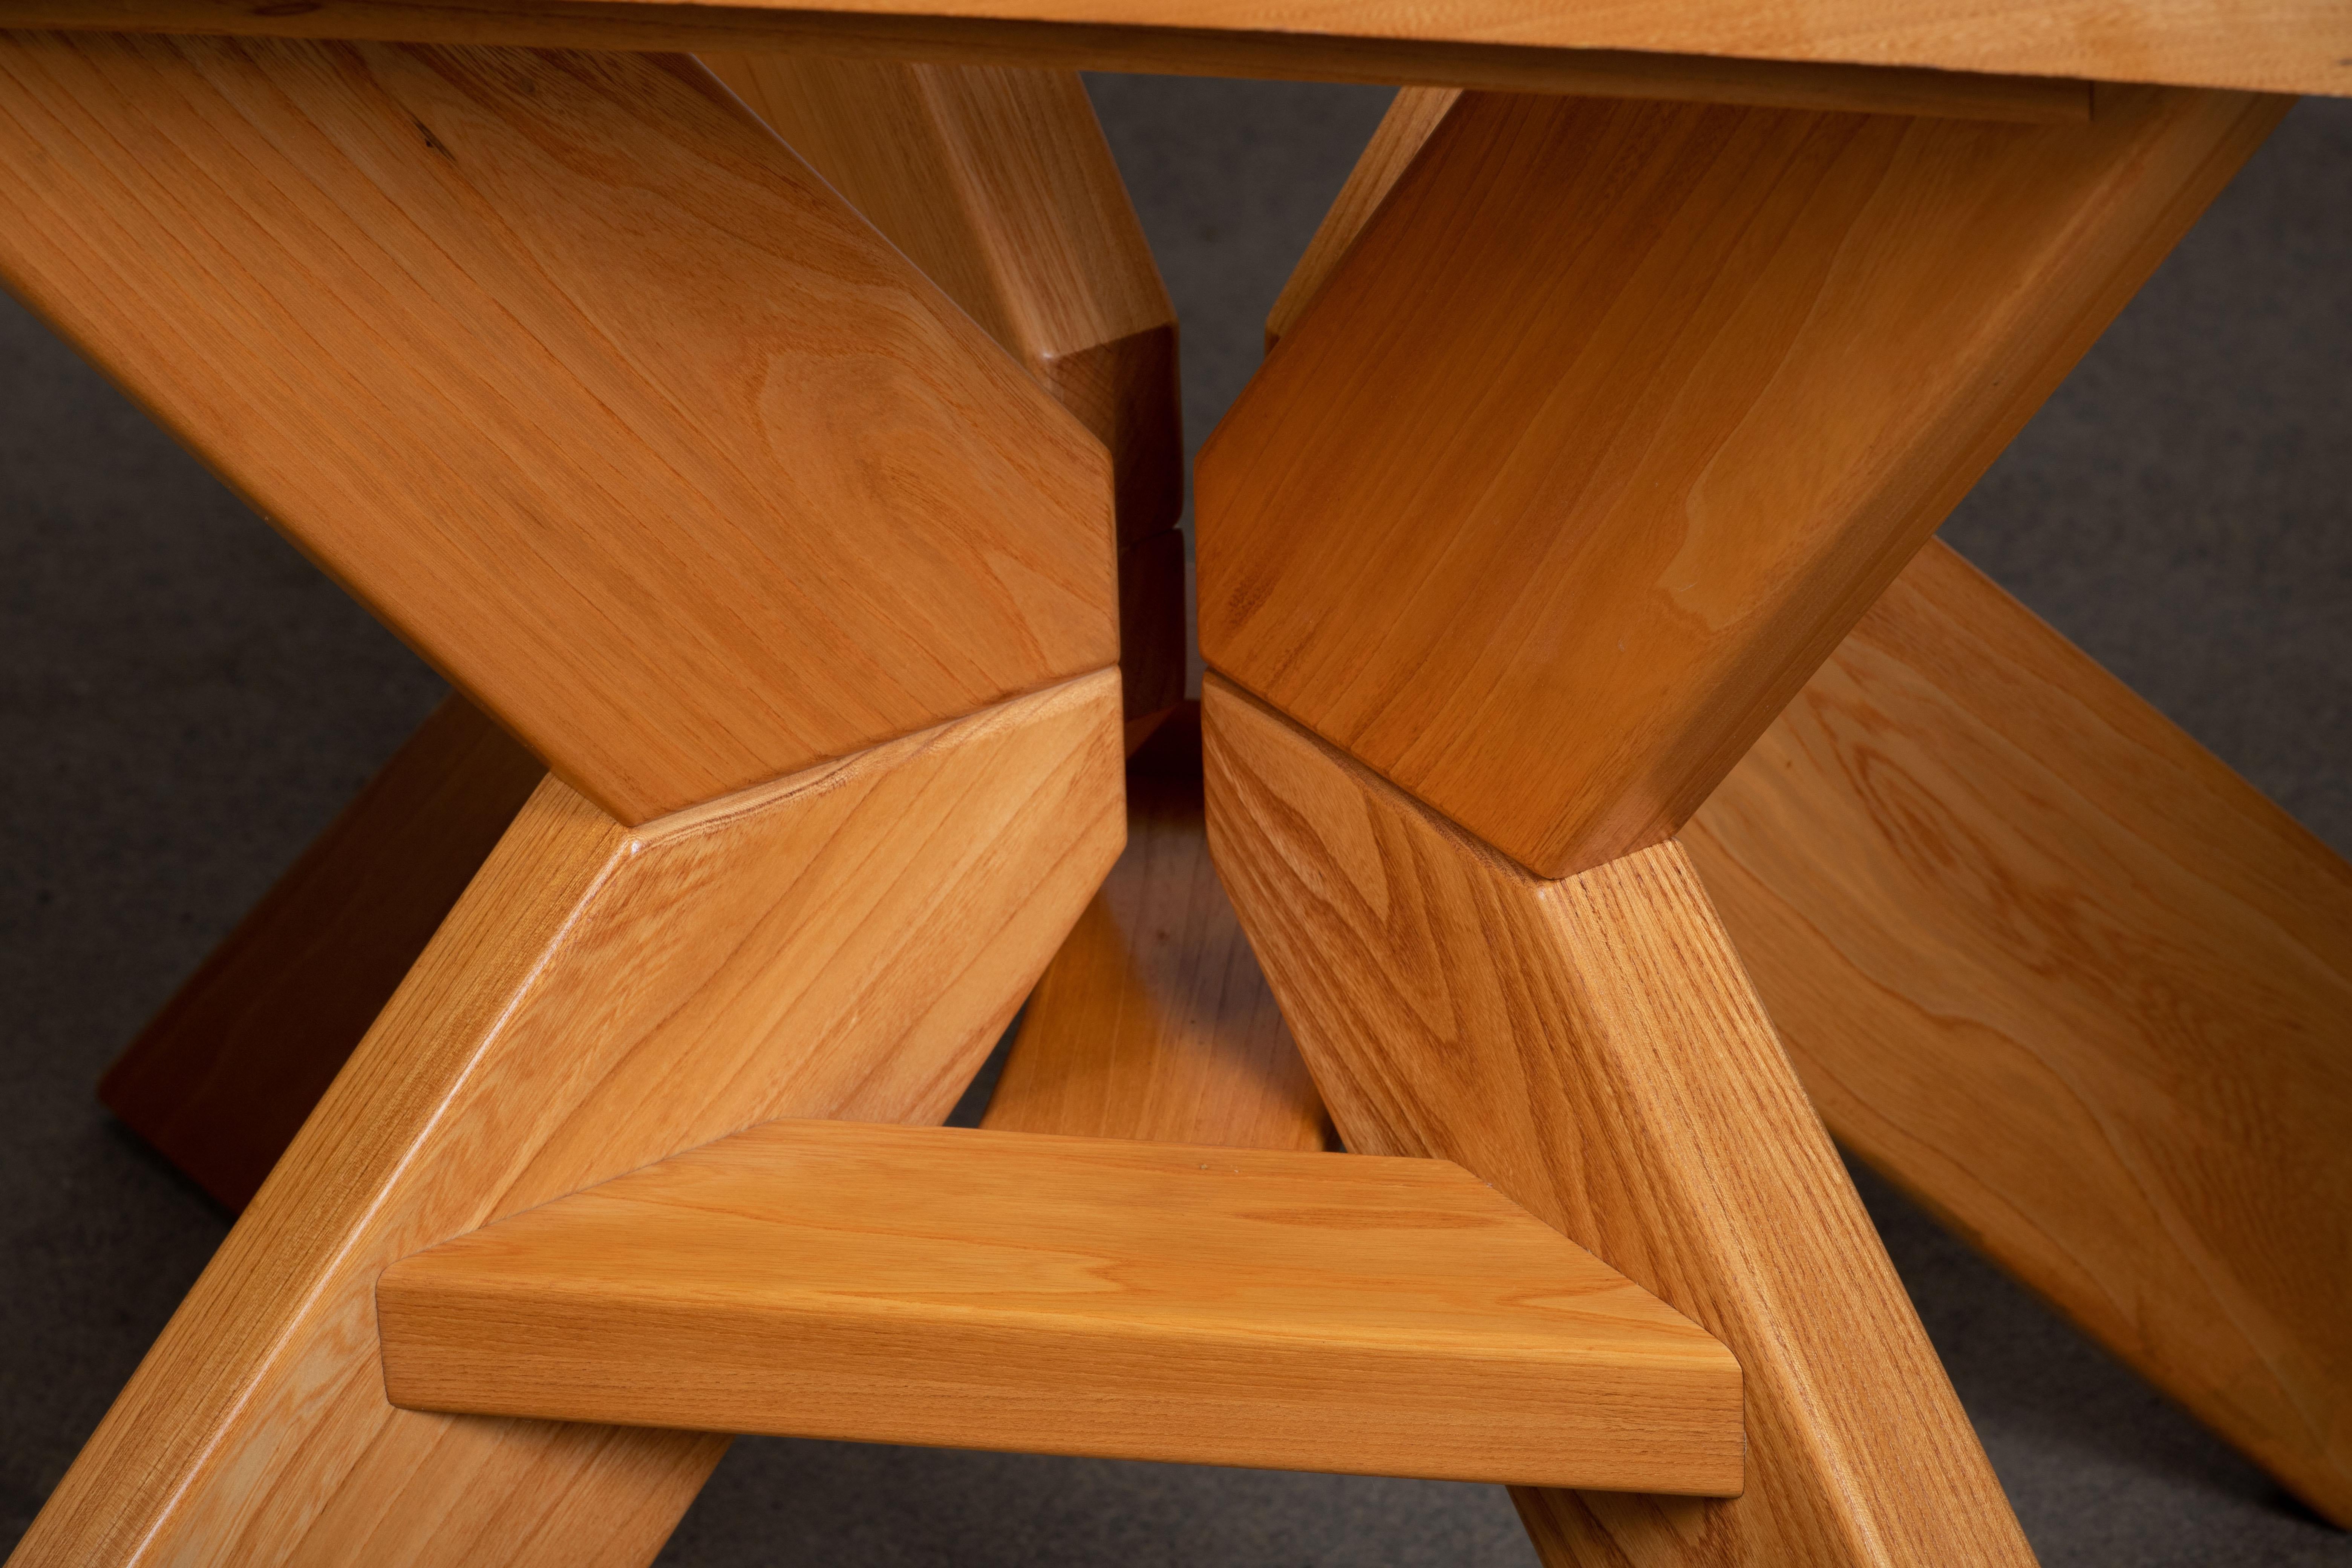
{"x": 1576, "y": 660}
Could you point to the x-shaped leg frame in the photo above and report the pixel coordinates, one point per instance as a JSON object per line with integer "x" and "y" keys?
{"x": 1575, "y": 657}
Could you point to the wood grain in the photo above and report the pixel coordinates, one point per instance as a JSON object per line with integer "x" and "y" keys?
{"x": 1153, "y": 1021}
{"x": 2081, "y": 990}
{"x": 1900, "y": 861}
{"x": 846, "y": 942}
{"x": 577, "y": 378}
{"x": 1537, "y": 51}
{"x": 1592, "y": 1049}
{"x": 998, "y": 183}
{"x": 1412, "y": 116}
{"x": 1550, "y": 544}
{"x": 1071, "y": 1296}
{"x": 220, "y": 1080}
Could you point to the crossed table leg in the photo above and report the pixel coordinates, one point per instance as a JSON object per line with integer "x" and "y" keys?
{"x": 1584, "y": 1036}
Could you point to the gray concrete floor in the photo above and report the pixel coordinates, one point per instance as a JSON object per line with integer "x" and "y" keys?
{"x": 188, "y": 702}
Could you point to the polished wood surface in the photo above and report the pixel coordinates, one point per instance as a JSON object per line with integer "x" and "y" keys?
{"x": 2076, "y": 986}
{"x": 1434, "y": 49}
{"x": 1592, "y": 1048}
{"x": 1154, "y": 1022}
{"x": 998, "y": 184}
{"x": 577, "y": 378}
{"x": 1549, "y": 546}
{"x": 1072, "y": 1296}
{"x": 846, "y": 942}
{"x": 1052, "y": 263}
{"x": 220, "y": 1080}
{"x": 1899, "y": 858}
{"x": 1412, "y": 116}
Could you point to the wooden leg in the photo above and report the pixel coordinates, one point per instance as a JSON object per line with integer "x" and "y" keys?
{"x": 1957, "y": 799}
{"x": 221, "y": 1080}
{"x": 1591, "y": 1046}
{"x": 558, "y": 382}
{"x": 481, "y": 293}
{"x": 845, "y": 944}
{"x": 1536, "y": 556}
{"x": 998, "y": 183}
{"x": 995, "y": 182}
{"x": 2076, "y": 986}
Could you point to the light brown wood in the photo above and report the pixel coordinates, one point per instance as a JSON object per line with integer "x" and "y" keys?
{"x": 1412, "y": 116}
{"x": 1153, "y": 1021}
{"x": 578, "y": 378}
{"x": 997, "y": 183}
{"x": 845, "y": 942}
{"x": 1537, "y": 53}
{"x": 1549, "y": 545}
{"x": 220, "y": 1080}
{"x": 1957, "y": 797}
{"x": 1072, "y": 1296}
{"x": 1592, "y": 1049}
{"x": 2078, "y": 987}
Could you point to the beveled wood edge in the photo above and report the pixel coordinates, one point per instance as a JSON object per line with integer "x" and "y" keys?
{"x": 479, "y": 1323}
{"x": 697, "y": 25}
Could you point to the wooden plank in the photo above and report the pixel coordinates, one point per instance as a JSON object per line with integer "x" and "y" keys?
{"x": 1153, "y": 1021}
{"x": 1592, "y": 1049}
{"x": 2076, "y": 986}
{"x": 1549, "y": 546}
{"x": 220, "y": 1080}
{"x": 577, "y": 378}
{"x": 846, "y": 942}
{"x": 1894, "y": 979}
{"x": 1071, "y": 1296}
{"x": 1549, "y": 52}
{"x": 998, "y": 183}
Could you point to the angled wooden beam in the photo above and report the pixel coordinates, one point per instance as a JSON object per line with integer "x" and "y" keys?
{"x": 2073, "y": 984}
{"x": 1412, "y": 117}
{"x": 1592, "y": 1047}
{"x": 1606, "y": 429}
{"x": 1153, "y": 1021}
{"x": 1011, "y": 204}
{"x": 998, "y": 183}
{"x": 1550, "y": 546}
{"x": 220, "y": 1080}
{"x": 1071, "y": 1296}
{"x": 1940, "y": 1041}
{"x": 846, "y": 942}
{"x": 570, "y": 366}
{"x": 573, "y": 374}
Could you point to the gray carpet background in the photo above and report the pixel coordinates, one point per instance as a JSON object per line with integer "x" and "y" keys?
{"x": 186, "y": 702}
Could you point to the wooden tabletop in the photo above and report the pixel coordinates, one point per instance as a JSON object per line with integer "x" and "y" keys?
{"x": 1912, "y": 53}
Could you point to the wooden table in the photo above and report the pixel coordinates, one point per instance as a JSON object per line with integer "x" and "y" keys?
{"x": 777, "y": 448}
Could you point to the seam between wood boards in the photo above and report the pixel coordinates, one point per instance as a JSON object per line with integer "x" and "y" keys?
{"x": 1501, "y": 857}
{"x": 812, "y": 779}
